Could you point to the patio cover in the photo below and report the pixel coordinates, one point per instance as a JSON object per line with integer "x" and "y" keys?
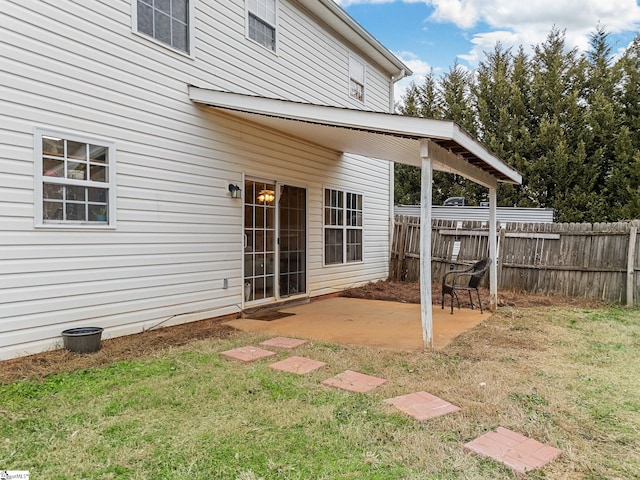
{"x": 427, "y": 143}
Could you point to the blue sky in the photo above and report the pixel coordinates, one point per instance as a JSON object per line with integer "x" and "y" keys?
{"x": 429, "y": 34}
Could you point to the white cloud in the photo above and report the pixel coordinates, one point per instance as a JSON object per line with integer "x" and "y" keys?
{"x": 420, "y": 69}
{"x": 463, "y": 13}
{"x": 348, "y": 3}
{"x": 528, "y": 22}
{"x": 418, "y": 66}
{"x": 514, "y": 23}
{"x": 517, "y": 23}
{"x": 617, "y": 15}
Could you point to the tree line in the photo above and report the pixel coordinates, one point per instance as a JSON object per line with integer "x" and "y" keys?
{"x": 568, "y": 122}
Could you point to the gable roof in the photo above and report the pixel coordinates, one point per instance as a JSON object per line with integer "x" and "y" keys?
{"x": 392, "y": 137}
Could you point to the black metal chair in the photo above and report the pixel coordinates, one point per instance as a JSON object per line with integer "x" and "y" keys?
{"x": 467, "y": 279}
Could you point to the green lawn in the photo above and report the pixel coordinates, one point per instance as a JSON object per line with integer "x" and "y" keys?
{"x": 566, "y": 377}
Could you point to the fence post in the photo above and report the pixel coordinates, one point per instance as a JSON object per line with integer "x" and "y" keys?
{"x": 402, "y": 240}
{"x": 631, "y": 262}
{"x": 500, "y": 259}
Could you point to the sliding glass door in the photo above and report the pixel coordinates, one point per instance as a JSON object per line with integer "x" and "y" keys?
{"x": 274, "y": 241}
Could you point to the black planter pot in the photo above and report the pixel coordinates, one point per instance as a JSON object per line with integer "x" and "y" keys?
{"x": 82, "y": 340}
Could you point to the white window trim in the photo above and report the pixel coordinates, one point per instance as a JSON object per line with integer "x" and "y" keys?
{"x": 192, "y": 31}
{"x": 353, "y": 57}
{"x": 343, "y": 227}
{"x": 276, "y": 26}
{"x": 39, "y": 179}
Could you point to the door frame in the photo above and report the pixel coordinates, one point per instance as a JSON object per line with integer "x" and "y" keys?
{"x": 277, "y": 297}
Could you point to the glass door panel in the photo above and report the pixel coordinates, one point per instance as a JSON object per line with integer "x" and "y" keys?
{"x": 292, "y": 207}
{"x": 260, "y": 240}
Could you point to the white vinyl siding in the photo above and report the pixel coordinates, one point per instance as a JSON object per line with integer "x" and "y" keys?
{"x": 74, "y": 68}
{"x": 311, "y": 65}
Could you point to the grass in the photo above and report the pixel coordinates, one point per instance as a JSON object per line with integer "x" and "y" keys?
{"x": 564, "y": 376}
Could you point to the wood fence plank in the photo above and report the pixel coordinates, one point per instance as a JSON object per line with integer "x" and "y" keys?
{"x": 631, "y": 253}
{"x": 596, "y": 261}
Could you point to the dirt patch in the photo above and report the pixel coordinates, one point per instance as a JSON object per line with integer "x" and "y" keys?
{"x": 410, "y": 293}
{"x": 138, "y": 346}
{"x": 130, "y": 347}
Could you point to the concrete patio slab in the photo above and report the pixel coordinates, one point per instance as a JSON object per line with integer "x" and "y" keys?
{"x": 520, "y": 453}
{"x": 247, "y": 354}
{"x": 354, "y": 381}
{"x": 374, "y": 323}
{"x": 422, "y": 405}
{"x": 283, "y": 342}
{"x": 297, "y": 365}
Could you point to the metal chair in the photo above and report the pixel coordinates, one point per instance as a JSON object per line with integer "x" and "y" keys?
{"x": 467, "y": 279}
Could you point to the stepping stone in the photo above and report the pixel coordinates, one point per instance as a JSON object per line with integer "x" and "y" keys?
{"x": 422, "y": 405}
{"x": 520, "y": 453}
{"x": 299, "y": 365}
{"x": 283, "y": 342}
{"x": 247, "y": 354}
{"x": 354, "y": 381}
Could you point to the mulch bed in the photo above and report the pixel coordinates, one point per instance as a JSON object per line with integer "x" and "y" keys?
{"x": 145, "y": 344}
{"x": 129, "y": 347}
{"x": 410, "y": 293}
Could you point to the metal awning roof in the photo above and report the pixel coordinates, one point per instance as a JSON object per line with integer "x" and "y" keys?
{"x": 396, "y": 138}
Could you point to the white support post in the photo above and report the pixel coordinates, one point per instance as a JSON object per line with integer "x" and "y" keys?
{"x": 493, "y": 250}
{"x": 392, "y": 215}
{"x": 426, "y": 309}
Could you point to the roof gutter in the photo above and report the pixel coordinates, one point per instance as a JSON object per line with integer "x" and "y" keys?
{"x": 392, "y": 170}
{"x": 394, "y": 79}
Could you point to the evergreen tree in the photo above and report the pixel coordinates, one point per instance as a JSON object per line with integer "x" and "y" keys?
{"x": 492, "y": 92}
{"x": 628, "y": 93}
{"x": 410, "y": 102}
{"x": 569, "y": 123}
{"x": 518, "y": 153}
{"x": 558, "y": 174}
{"x": 420, "y": 101}
{"x": 430, "y": 97}
{"x": 623, "y": 183}
{"x": 458, "y": 105}
{"x": 601, "y": 125}
{"x": 407, "y": 178}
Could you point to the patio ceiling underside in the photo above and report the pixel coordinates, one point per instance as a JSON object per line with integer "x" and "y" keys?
{"x": 395, "y": 138}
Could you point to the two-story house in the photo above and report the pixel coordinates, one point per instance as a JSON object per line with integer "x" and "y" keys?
{"x": 166, "y": 161}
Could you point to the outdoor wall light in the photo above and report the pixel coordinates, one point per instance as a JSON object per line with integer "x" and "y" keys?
{"x": 235, "y": 191}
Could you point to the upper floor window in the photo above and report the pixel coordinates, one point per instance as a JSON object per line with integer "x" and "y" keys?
{"x": 165, "y": 20}
{"x": 262, "y": 21}
{"x": 357, "y": 74}
{"x": 342, "y": 227}
{"x": 75, "y": 180}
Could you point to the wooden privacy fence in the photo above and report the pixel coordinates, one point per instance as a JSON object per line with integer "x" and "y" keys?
{"x": 597, "y": 261}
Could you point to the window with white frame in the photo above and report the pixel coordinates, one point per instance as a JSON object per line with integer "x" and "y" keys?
{"x": 167, "y": 21}
{"x": 75, "y": 180}
{"x": 261, "y": 22}
{"x": 342, "y": 227}
{"x": 357, "y": 74}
